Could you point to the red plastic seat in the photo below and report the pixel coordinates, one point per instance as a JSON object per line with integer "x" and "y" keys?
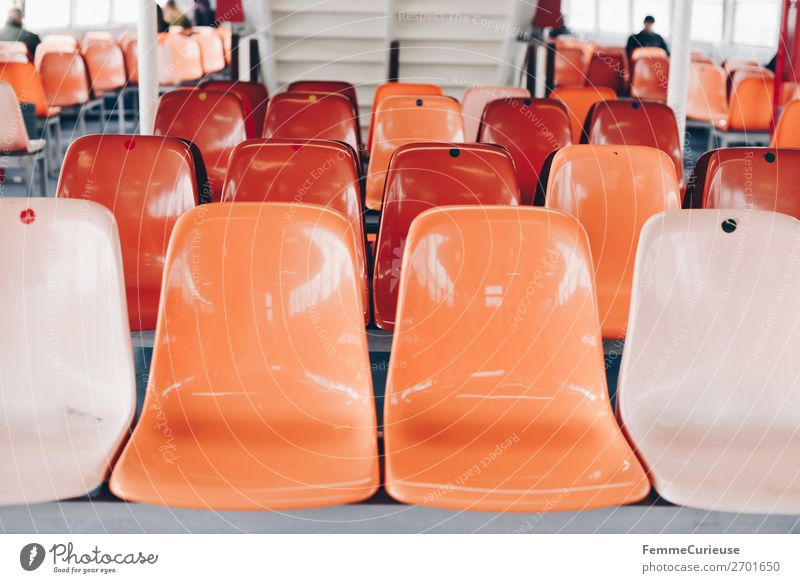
{"x": 404, "y": 119}
{"x": 346, "y": 89}
{"x": 609, "y": 67}
{"x": 213, "y": 120}
{"x": 106, "y": 66}
{"x": 650, "y": 78}
{"x": 498, "y": 399}
{"x": 312, "y": 116}
{"x": 147, "y": 182}
{"x": 279, "y": 170}
{"x": 637, "y": 123}
{"x": 578, "y": 101}
{"x": 570, "y": 66}
{"x": 64, "y": 79}
{"x": 260, "y": 366}
{"x": 477, "y": 97}
{"x": 254, "y": 95}
{"x": 385, "y": 90}
{"x": 530, "y": 129}
{"x": 425, "y": 176}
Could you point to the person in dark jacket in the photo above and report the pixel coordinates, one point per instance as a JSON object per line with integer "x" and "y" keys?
{"x": 646, "y": 38}
{"x": 203, "y": 14}
{"x": 13, "y": 31}
{"x": 560, "y": 29}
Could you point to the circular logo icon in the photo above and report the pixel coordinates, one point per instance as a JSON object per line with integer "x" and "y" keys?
{"x": 31, "y": 556}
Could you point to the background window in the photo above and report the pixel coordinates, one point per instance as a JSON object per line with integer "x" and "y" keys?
{"x": 707, "y": 20}
{"x": 46, "y": 14}
{"x": 125, "y": 11}
{"x": 658, "y": 9}
{"x": 88, "y": 12}
{"x": 580, "y": 14}
{"x": 615, "y": 16}
{"x": 756, "y": 22}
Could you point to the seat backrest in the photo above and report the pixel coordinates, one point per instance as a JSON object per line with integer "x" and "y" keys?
{"x": 26, "y": 83}
{"x": 385, "y": 90}
{"x": 13, "y": 134}
{"x": 708, "y": 99}
{"x": 698, "y": 57}
{"x": 213, "y": 120}
{"x": 497, "y": 336}
{"x": 613, "y": 190}
{"x": 787, "y": 132}
{"x": 579, "y": 100}
{"x": 343, "y": 87}
{"x": 226, "y": 36}
{"x": 12, "y": 57}
{"x": 425, "y": 176}
{"x": 255, "y": 95}
{"x": 477, "y": 97}
{"x": 106, "y": 66}
{"x": 570, "y": 66}
{"x": 708, "y": 386}
{"x": 751, "y": 104}
{"x": 637, "y": 123}
{"x": 179, "y": 59}
{"x": 15, "y": 46}
{"x": 212, "y": 51}
{"x": 650, "y": 78}
{"x": 282, "y": 332}
{"x": 59, "y": 43}
{"x": 647, "y": 53}
{"x": 284, "y": 170}
{"x": 68, "y": 388}
{"x": 530, "y": 129}
{"x": 312, "y": 116}
{"x": 147, "y": 182}
{"x": 403, "y": 119}
{"x": 64, "y": 79}
{"x": 747, "y": 178}
{"x": 609, "y": 67}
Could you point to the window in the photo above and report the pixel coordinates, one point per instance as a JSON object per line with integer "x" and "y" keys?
{"x": 581, "y": 14}
{"x": 658, "y": 9}
{"x": 125, "y": 11}
{"x": 757, "y": 22}
{"x": 89, "y": 12}
{"x": 707, "y": 20}
{"x": 615, "y": 16}
{"x": 45, "y": 14}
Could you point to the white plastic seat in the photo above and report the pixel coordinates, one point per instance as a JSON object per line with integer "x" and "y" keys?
{"x": 709, "y": 389}
{"x": 67, "y": 385}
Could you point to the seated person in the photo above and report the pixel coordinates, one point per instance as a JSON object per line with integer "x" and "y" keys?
{"x": 646, "y": 38}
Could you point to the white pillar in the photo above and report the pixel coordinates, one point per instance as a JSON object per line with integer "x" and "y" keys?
{"x": 148, "y": 65}
{"x": 680, "y": 62}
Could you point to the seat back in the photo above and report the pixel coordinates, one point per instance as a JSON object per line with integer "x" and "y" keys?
{"x": 59, "y": 43}
{"x": 312, "y": 116}
{"x": 403, "y": 119}
{"x": 650, "y": 78}
{"x": 212, "y": 51}
{"x": 64, "y": 79}
{"x": 179, "y": 59}
{"x": 708, "y": 100}
{"x": 570, "y": 66}
{"x": 499, "y": 345}
{"x": 477, "y": 97}
{"x": 279, "y": 170}
{"x": 12, "y": 57}
{"x": 67, "y": 385}
{"x": 287, "y": 417}
{"x": 637, "y": 123}
{"x": 15, "y": 46}
{"x": 346, "y": 89}
{"x": 385, "y": 90}
{"x": 13, "y": 134}
{"x": 721, "y": 287}
{"x": 578, "y": 101}
{"x": 213, "y": 120}
{"x": 613, "y": 190}
{"x": 609, "y": 67}
{"x": 425, "y": 176}
{"x": 254, "y": 95}
{"x": 131, "y": 54}
{"x": 747, "y": 178}
{"x": 787, "y": 132}
{"x": 751, "y": 104}
{"x": 530, "y": 129}
{"x": 147, "y": 182}
{"x": 106, "y": 66}
{"x": 26, "y": 83}
{"x": 647, "y": 53}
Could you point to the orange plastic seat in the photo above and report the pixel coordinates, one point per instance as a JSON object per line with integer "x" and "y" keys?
{"x": 279, "y": 171}
{"x": 648, "y": 53}
{"x": 570, "y": 66}
{"x": 346, "y": 89}
{"x": 179, "y": 59}
{"x": 106, "y": 66}
{"x": 747, "y": 178}
{"x": 147, "y": 182}
{"x": 750, "y": 111}
{"x": 212, "y": 51}
{"x": 404, "y": 119}
{"x": 501, "y": 401}
{"x": 131, "y": 54}
{"x": 67, "y": 387}
{"x": 15, "y": 47}
{"x": 226, "y": 35}
{"x": 424, "y": 176}
{"x": 708, "y": 389}
{"x": 650, "y": 78}
{"x": 787, "y": 132}
{"x": 698, "y": 57}
{"x": 27, "y": 83}
{"x": 609, "y": 67}
{"x": 12, "y": 57}
{"x": 530, "y": 130}
{"x": 385, "y": 90}
{"x": 255, "y": 95}
{"x": 637, "y": 123}
{"x": 708, "y": 100}
{"x": 213, "y": 120}
{"x": 64, "y": 79}
{"x": 613, "y": 191}
{"x": 579, "y": 100}
{"x": 477, "y": 97}
{"x": 312, "y": 116}
{"x": 260, "y": 366}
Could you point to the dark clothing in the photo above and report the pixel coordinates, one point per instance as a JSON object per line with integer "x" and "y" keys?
{"x": 14, "y": 32}
{"x": 559, "y": 31}
{"x": 161, "y": 24}
{"x": 772, "y": 64}
{"x": 645, "y": 39}
{"x": 203, "y": 14}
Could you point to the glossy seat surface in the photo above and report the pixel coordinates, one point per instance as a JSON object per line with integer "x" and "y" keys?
{"x": 212, "y": 51}
{"x": 284, "y": 170}
{"x": 579, "y": 100}
{"x": 66, "y": 368}
{"x": 105, "y": 63}
{"x": 215, "y": 121}
{"x": 312, "y": 116}
{"x": 751, "y": 104}
{"x": 27, "y": 84}
{"x": 650, "y": 76}
{"x": 709, "y": 389}
{"x": 787, "y": 132}
{"x": 477, "y": 97}
{"x": 179, "y": 59}
{"x": 613, "y": 190}
{"x": 147, "y": 182}
{"x": 404, "y": 119}
{"x": 385, "y": 90}
{"x": 424, "y": 176}
{"x": 342, "y": 87}
{"x": 570, "y": 66}
{"x": 498, "y": 401}
{"x": 609, "y": 67}
{"x": 254, "y": 95}
{"x": 260, "y": 366}
{"x": 64, "y": 79}
{"x": 708, "y": 100}
{"x": 530, "y": 129}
